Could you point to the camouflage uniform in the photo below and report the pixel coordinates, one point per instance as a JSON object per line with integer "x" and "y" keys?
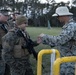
{"x": 3, "y": 31}
{"x": 65, "y": 43}
{"x": 11, "y": 24}
{"x": 13, "y": 54}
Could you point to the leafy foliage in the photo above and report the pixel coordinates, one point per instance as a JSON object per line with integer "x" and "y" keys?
{"x": 40, "y": 13}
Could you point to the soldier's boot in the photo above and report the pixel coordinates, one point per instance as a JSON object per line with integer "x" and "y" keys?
{"x": 7, "y": 70}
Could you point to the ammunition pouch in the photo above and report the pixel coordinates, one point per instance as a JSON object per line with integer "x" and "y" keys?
{"x": 26, "y": 47}
{"x": 19, "y": 52}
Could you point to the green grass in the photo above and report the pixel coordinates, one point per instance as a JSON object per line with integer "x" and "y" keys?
{"x": 34, "y": 32}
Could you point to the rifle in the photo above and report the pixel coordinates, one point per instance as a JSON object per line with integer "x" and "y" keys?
{"x": 29, "y": 44}
{"x": 4, "y": 28}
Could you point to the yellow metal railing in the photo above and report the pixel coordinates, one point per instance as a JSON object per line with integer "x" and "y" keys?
{"x": 39, "y": 62}
{"x": 58, "y": 61}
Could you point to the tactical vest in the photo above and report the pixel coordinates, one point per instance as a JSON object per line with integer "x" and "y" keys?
{"x": 18, "y": 52}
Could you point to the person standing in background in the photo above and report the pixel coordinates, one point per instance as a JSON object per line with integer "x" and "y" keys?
{"x": 4, "y": 70}
{"x": 11, "y": 21}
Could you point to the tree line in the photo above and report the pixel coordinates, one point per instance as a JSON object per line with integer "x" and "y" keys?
{"x": 40, "y": 13}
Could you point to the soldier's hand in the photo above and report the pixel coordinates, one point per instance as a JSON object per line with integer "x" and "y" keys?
{"x": 41, "y": 35}
{"x": 39, "y": 38}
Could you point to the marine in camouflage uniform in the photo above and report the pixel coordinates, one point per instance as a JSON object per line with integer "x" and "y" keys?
{"x": 13, "y": 53}
{"x": 3, "y": 31}
{"x": 65, "y": 42}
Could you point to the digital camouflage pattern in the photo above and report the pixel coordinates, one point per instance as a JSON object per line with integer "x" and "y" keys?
{"x": 65, "y": 43}
{"x": 16, "y": 57}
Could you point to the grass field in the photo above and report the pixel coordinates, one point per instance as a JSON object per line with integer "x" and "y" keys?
{"x": 34, "y": 32}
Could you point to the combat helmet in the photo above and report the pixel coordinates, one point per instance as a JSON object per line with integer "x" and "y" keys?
{"x": 20, "y": 19}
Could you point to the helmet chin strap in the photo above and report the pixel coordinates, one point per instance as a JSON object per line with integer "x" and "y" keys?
{"x": 57, "y": 14}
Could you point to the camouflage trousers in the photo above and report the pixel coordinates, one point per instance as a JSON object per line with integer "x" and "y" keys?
{"x": 21, "y": 67}
{"x": 67, "y": 69}
{"x": 2, "y": 67}
{"x": 2, "y": 64}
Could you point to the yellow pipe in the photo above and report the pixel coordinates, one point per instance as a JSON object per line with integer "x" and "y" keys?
{"x": 39, "y": 61}
{"x": 56, "y": 66}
